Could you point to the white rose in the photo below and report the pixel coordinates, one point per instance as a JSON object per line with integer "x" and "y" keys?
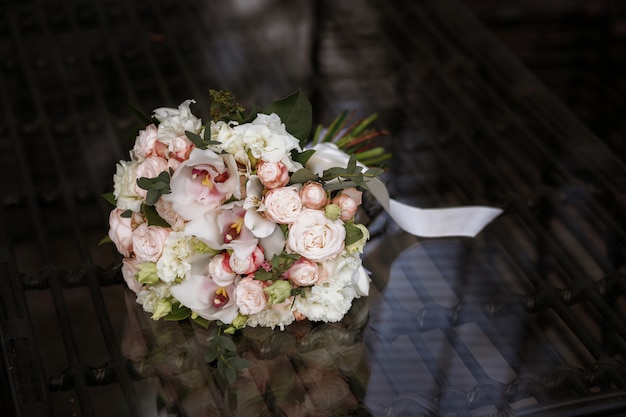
{"x": 174, "y": 122}
{"x": 249, "y": 296}
{"x": 283, "y": 205}
{"x": 315, "y": 236}
{"x": 280, "y": 315}
{"x": 267, "y": 139}
{"x": 148, "y": 242}
{"x": 124, "y": 182}
{"x": 231, "y": 139}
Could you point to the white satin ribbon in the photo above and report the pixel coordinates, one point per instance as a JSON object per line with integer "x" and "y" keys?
{"x": 441, "y": 222}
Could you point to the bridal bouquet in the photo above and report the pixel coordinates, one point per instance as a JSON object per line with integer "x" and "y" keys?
{"x": 244, "y": 220}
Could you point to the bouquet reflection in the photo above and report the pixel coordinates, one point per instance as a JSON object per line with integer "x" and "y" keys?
{"x": 309, "y": 369}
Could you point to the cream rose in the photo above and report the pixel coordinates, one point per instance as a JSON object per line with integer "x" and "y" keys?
{"x": 315, "y": 236}
{"x": 303, "y": 273}
{"x": 313, "y": 195}
{"x": 148, "y": 242}
{"x": 249, "y": 296}
{"x": 272, "y": 174}
{"x": 282, "y": 205}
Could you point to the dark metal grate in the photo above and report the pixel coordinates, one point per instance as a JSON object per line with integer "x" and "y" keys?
{"x": 527, "y": 319}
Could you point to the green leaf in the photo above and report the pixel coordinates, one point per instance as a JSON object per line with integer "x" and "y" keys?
{"x": 152, "y": 196}
{"x": 353, "y": 234}
{"x": 104, "y": 240}
{"x": 140, "y": 114}
{"x": 374, "y": 172}
{"x": 296, "y": 113}
{"x": 179, "y": 312}
{"x": 196, "y": 140}
{"x": 226, "y": 371}
{"x": 238, "y": 363}
{"x": 201, "y": 321}
{"x": 302, "y": 176}
{"x": 110, "y": 198}
{"x": 263, "y": 275}
{"x": 153, "y": 217}
{"x": 145, "y": 183}
{"x": 211, "y": 354}
{"x": 126, "y": 214}
{"x": 302, "y": 157}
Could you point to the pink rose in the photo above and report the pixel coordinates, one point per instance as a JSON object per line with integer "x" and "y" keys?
{"x": 121, "y": 230}
{"x": 315, "y": 236}
{"x": 220, "y": 270}
{"x": 313, "y": 195}
{"x": 179, "y": 148}
{"x": 148, "y": 242}
{"x": 165, "y": 210}
{"x": 349, "y": 201}
{"x": 150, "y": 168}
{"x": 272, "y": 174}
{"x": 145, "y": 142}
{"x": 129, "y": 272}
{"x": 249, "y": 296}
{"x": 248, "y": 265}
{"x": 282, "y": 205}
{"x": 303, "y": 273}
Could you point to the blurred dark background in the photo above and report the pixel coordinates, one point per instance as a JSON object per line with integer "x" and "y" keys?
{"x": 577, "y": 48}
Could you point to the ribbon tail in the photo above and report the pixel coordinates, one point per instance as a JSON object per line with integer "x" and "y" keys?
{"x": 444, "y": 222}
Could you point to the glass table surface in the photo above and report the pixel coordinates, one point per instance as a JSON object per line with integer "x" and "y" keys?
{"x": 527, "y": 318}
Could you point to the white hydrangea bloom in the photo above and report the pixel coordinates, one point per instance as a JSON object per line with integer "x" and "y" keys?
{"x": 175, "y": 260}
{"x": 279, "y": 315}
{"x": 150, "y": 296}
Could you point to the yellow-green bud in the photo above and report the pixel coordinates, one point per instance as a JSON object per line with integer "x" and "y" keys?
{"x": 161, "y": 309}
{"x": 333, "y": 211}
{"x": 359, "y": 244}
{"x": 238, "y": 323}
{"x": 147, "y": 273}
{"x": 278, "y": 291}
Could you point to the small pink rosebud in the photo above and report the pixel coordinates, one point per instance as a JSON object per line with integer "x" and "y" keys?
{"x": 272, "y": 174}
{"x": 349, "y": 201}
{"x": 313, "y": 195}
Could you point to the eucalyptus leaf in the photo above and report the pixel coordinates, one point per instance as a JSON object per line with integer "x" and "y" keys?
{"x": 302, "y": 176}
{"x": 196, "y": 140}
{"x": 152, "y": 196}
{"x": 126, "y": 214}
{"x": 178, "y": 312}
{"x": 302, "y": 157}
{"x": 238, "y": 363}
{"x": 144, "y": 183}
